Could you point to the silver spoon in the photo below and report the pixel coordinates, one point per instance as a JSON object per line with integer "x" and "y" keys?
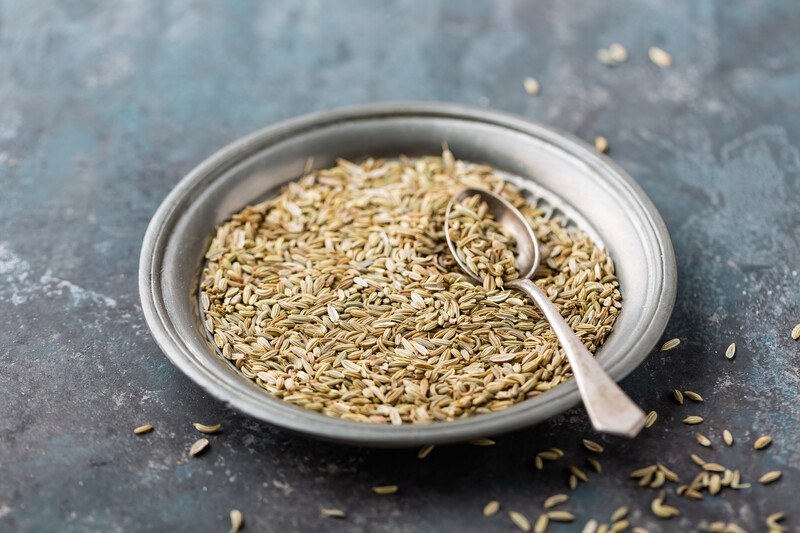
{"x": 609, "y": 408}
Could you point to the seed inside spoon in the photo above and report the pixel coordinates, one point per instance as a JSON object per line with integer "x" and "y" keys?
{"x": 484, "y": 245}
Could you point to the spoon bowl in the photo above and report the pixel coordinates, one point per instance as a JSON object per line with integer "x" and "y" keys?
{"x": 509, "y": 217}
{"x": 609, "y": 408}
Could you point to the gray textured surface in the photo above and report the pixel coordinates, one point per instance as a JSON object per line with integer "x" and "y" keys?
{"x": 104, "y": 106}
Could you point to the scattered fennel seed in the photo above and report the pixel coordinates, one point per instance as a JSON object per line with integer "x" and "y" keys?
{"x": 202, "y": 428}
{"x": 714, "y": 484}
{"x": 670, "y": 344}
{"x": 702, "y": 439}
{"x": 659, "y": 57}
{"x": 549, "y": 455}
{"x": 236, "y": 521}
{"x": 769, "y": 477}
{"x": 561, "y": 516}
{"x": 520, "y": 520}
{"x": 198, "y": 447}
{"x": 697, "y": 460}
{"x": 642, "y": 472}
{"x": 662, "y": 510}
{"x": 604, "y": 56}
{"x": 619, "y": 514}
{"x": 333, "y": 513}
{"x": 658, "y": 481}
{"x": 601, "y": 144}
{"x": 425, "y": 451}
{"x": 727, "y": 437}
{"x": 669, "y": 474}
{"x": 578, "y": 473}
{"x": 731, "y": 350}
{"x": 491, "y": 508}
{"x": 678, "y": 396}
{"x": 531, "y": 86}
{"x": 555, "y": 499}
{"x": 618, "y": 53}
{"x": 592, "y": 446}
{"x": 572, "y": 482}
{"x": 762, "y": 442}
{"x": 541, "y": 523}
{"x": 693, "y": 396}
{"x": 617, "y": 527}
{"x": 772, "y": 522}
{"x": 595, "y": 464}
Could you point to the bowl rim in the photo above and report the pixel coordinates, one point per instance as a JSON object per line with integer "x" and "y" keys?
{"x": 298, "y": 420}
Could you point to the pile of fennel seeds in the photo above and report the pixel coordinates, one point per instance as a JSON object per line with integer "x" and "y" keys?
{"x": 339, "y": 295}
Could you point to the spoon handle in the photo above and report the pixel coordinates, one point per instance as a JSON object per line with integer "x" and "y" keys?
{"x": 609, "y": 408}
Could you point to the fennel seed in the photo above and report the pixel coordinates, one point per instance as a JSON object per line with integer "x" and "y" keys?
{"x": 198, "y": 447}
{"x": 531, "y": 86}
{"x": 202, "y": 428}
{"x": 769, "y": 477}
{"x": 670, "y": 344}
{"x": 520, "y": 520}
{"x": 693, "y": 396}
{"x": 236, "y": 521}
{"x": 491, "y": 508}
{"x": 618, "y": 52}
{"x": 592, "y": 446}
{"x": 619, "y": 514}
{"x": 425, "y": 451}
{"x": 678, "y": 396}
{"x": 731, "y": 350}
{"x": 601, "y": 144}
{"x": 659, "y": 57}
{"x": 555, "y": 499}
{"x": 727, "y": 437}
{"x": 541, "y": 523}
{"x": 762, "y": 442}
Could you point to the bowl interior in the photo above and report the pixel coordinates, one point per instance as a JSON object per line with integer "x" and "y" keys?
{"x": 560, "y": 173}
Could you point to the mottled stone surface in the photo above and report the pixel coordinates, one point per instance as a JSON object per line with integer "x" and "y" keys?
{"x": 105, "y": 105}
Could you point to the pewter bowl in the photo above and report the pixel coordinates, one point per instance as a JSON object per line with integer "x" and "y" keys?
{"x": 561, "y": 173}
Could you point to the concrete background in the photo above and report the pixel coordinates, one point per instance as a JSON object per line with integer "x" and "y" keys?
{"x": 105, "y": 105}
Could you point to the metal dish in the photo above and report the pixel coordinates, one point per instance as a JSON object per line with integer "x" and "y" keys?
{"x": 559, "y": 171}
